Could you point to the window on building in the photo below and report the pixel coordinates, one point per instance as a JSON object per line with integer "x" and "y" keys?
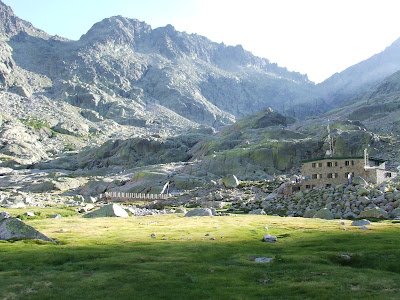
{"x": 335, "y": 175}
{"x": 308, "y": 186}
{"x": 347, "y": 163}
{"x": 314, "y": 165}
{"x": 329, "y": 164}
{"x": 319, "y": 176}
{"x": 330, "y": 175}
{"x": 314, "y": 176}
{"x": 388, "y": 174}
{"x": 336, "y": 164}
{"x": 352, "y": 162}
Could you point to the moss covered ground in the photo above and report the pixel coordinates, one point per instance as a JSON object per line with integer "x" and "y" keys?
{"x": 202, "y": 258}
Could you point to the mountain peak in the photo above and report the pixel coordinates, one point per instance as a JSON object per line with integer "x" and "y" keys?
{"x": 118, "y": 29}
{"x": 11, "y": 25}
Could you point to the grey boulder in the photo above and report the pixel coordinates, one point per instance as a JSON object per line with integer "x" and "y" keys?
{"x": 230, "y": 181}
{"x": 269, "y": 238}
{"x": 360, "y": 222}
{"x": 14, "y": 229}
{"x": 110, "y": 210}
{"x": 199, "y": 212}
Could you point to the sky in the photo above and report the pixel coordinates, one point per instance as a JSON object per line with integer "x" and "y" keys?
{"x": 313, "y": 37}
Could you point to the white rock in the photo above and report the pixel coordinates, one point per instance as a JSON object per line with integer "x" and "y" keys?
{"x": 269, "y": 238}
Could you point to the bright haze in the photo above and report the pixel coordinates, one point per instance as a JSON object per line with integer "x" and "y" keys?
{"x": 313, "y": 37}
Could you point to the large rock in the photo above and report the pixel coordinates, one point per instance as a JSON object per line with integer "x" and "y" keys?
{"x": 14, "y": 229}
{"x": 111, "y": 210}
{"x": 72, "y": 128}
{"x": 309, "y": 213}
{"x": 349, "y": 215}
{"x": 360, "y": 222}
{"x": 199, "y": 212}
{"x": 360, "y": 181}
{"x": 375, "y": 212}
{"x": 269, "y": 238}
{"x": 230, "y": 181}
{"x": 362, "y": 192}
{"x": 324, "y": 214}
{"x": 396, "y": 212}
{"x": 257, "y": 212}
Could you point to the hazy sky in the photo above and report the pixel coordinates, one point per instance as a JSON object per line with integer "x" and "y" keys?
{"x": 314, "y": 37}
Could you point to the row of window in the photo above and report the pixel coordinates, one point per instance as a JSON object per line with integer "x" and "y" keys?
{"x": 333, "y": 164}
{"x": 331, "y": 175}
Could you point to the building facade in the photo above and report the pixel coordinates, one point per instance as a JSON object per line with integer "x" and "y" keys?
{"x": 331, "y": 171}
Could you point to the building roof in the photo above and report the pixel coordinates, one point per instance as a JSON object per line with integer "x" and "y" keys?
{"x": 342, "y": 157}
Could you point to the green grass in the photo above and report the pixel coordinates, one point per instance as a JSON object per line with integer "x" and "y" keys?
{"x": 114, "y": 258}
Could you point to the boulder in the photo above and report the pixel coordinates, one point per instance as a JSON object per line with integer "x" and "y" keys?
{"x": 216, "y": 204}
{"x": 272, "y": 196}
{"x": 362, "y": 191}
{"x": 14, "y": 229}
{"x": 257, "y": 212}
{"x": 72, "y": 128}
{"x": 349, "y": 215}
{"x": 181, "y": 210}
{"x": 396, "y": 212}
{"x": 309, "y": 213}
{"x": 57, "y": 216}
{"x": 375, "y": 212}
{"x": 324, "y": 214}
{"x": 360, "y": 222}
{"x": 360, "y": 181}
{"x": 364, "y": 200}
{"x": 110, "y": 210}
{"x": 283, "y": 187}
{"x": 17, "y": 205}
{"x": 230, "y": 181}
{"x": 269, "y": 238}
{"x": 396, "y": 204}
{"x": 199, "y": 212}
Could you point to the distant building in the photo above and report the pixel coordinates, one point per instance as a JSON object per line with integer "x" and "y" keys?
{"x": 331, "y": 171}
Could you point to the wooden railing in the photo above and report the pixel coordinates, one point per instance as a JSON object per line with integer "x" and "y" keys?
{"x": 120, "y": 196}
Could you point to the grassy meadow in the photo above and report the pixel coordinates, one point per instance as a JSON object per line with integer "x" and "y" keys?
{"x": 201, "y": 258}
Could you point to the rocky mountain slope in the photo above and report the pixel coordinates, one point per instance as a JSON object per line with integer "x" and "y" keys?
{"x": 129, "y": 108}
{"x": 358, "y": 78}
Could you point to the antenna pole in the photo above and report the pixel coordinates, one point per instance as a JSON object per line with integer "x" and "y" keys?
{"x": 330, "y": 139}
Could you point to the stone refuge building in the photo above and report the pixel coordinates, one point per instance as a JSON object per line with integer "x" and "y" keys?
{"x": 331, "y": 171}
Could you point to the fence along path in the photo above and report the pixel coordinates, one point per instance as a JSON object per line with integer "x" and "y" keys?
{"x": 131, "y": 196}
